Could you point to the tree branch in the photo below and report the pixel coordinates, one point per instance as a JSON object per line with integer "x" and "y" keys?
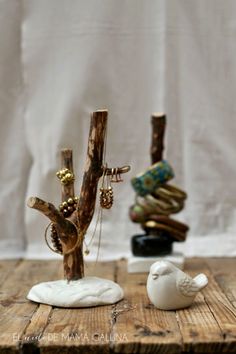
{"x": 93, "y": 169}
{"x": 66, "y": 230}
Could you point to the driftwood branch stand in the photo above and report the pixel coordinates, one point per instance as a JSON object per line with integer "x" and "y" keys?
{"x": 69, "y": 229}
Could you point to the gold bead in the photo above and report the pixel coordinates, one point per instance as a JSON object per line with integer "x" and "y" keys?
{"x": 86, "y": 252}
{"x": 70, "y": 201}
{"x": 64, "y": 204}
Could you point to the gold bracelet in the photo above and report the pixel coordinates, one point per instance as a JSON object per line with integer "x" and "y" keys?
{"x": 78, "y": 242}
{"x": 142, "y": 202}
{"x": 165, "y": 220}
{"x": 170, "y": 191}
{"x": 79, "y": 239}
{"x": 178, "y": 235}
{"x": 169, "y": 207}
{"x": 151, "y": 207}
{"x": 46, "y": 240}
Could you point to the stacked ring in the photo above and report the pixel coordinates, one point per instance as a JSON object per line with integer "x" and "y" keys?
{"x": 169, "y": 200}
{"x": 137, "y": 213}
{"x": 153, "y": 225}
{"x": 157, "y": 174}
{"x": 180, "y": 226}
{"x": 167, "y": 206}
{"x": 169, "y": 191}
{"x": 159, "y": 206}
{"x": 156, "y": 200}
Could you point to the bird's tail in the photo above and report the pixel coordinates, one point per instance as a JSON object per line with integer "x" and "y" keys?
{"x": 201, "y": 281}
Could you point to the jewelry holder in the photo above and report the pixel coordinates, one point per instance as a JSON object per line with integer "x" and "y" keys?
{"x": 155, "y": 200}
{"x": 69, "y": 225}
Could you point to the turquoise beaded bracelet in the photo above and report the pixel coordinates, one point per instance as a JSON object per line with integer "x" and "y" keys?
{"x": 155, "y": 175}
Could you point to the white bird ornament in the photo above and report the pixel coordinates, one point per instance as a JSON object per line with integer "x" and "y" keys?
{"x": 169, "y": 288}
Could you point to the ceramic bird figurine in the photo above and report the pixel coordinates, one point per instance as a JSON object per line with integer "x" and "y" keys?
{"x": 169, "y": 288}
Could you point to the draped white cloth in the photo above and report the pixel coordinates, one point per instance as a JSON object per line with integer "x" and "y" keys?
{"x": 62, "y": 59}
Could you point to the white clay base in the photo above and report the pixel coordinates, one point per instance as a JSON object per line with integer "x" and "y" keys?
{"x": 86, "y": 292}
{"x": 143, "y": 264}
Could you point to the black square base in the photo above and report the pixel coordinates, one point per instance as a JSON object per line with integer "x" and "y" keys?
{"x": 151, "y": 245}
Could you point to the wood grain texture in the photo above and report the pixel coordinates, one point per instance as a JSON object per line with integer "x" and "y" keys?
{"x": 131, "y": 326}
{"x": 85, "y": 330}
{"x": 93, "y": 169}
{"x": 15, "y": 310}
{"x": 222, "y": 311}
{"x": 147, "y": 329}
{"x": 158, "y": 121}
{"x": 224, "y": 272}
{"x": 199, "y": 329}
{"x": 6, "y": 268}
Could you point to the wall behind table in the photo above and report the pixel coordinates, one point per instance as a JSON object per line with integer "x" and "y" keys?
{"x": 60, "y": 60}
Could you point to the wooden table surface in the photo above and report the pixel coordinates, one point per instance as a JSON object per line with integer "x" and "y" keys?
{"x": 131, "y": 326}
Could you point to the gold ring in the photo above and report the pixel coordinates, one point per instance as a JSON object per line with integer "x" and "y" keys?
{"x": 46, "y": 240}
{"x": 78, "y": 242}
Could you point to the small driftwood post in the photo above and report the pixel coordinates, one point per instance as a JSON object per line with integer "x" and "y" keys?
{"x": 158, "y": 121}
{"x": 67, "y": 190}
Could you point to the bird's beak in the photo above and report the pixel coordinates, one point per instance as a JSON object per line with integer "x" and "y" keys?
{"x": 155, "y": 276}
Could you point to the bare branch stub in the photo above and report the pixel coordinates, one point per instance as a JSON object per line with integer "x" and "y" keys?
{"x": 158, "y": 121}
{"x": 67, "y": 190}
{"x": 66, "y": 229}
{"x": 120, "y": 170}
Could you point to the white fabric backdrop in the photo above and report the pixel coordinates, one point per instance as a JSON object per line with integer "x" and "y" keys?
{"x": 62, "y": 59}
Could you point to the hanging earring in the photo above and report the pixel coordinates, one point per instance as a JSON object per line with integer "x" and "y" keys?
{"x": 106, "y": 192}
{"x": 119, "y": 177}
{"x": 115, "y": 176}
{"x": 86, "y": 251}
